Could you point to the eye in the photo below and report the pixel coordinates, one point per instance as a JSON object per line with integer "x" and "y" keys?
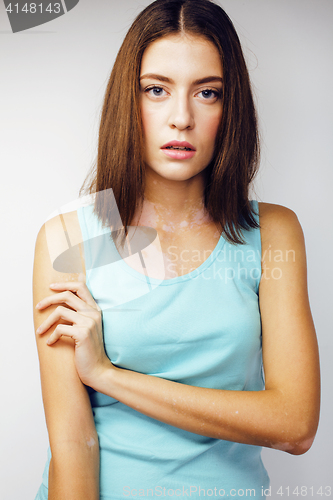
{"x": 210, "y": 94}
{"x": 154, "y": 91}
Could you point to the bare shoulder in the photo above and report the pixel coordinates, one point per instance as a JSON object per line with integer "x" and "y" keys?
{"x": 277, "y": 217}
{"x": 62, "y": 223}
{"x": 279, "y": 227}
{"x": 56, "y": 236}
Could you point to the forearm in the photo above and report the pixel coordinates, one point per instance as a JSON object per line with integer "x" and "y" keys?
{"x": 74, "y": 472}
{"x": 264, "y": 418}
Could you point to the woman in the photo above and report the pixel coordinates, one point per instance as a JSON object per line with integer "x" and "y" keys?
{"x": 153, "y": 383}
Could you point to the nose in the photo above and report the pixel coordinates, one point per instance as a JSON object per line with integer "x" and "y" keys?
{"x": 181, "y": 113}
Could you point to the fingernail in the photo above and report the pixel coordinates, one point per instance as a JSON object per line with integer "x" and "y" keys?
{"x": 38, "y": 330}
{"x": 37, "y": 305}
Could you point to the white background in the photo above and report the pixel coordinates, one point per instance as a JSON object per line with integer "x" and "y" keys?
{"x": 52, "y": 82}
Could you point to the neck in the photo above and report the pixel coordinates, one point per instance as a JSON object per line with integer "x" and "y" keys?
{"x": 171, "y": 204}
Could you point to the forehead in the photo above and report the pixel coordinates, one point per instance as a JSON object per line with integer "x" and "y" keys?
{"x": 181, "y": 54}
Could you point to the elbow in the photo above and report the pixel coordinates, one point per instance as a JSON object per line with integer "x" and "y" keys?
{"x": 298, "y": 439}
{"x": 298, "y": 428}
{"x": 305, "y": 433}
{"x": 298, "y": 443}
{"x": 298, "y": 446}
{"x": 301, "y": 446}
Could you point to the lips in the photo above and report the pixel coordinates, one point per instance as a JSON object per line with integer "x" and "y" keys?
{"x": 179, "y": 150}
{"x": 178, "y": 146}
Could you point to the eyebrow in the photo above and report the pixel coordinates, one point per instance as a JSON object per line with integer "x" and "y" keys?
{"x": 162, "y": 78}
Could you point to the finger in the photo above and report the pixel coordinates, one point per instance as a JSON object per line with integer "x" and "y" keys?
{"x": 60, "y": 313}
{"x": 64, "y": 331}
{"x": 66, "y": 297}
{"x": 78, "y": 287}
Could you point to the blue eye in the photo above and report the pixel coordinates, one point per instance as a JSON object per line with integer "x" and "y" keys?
{"x": 208, "y": 93}
{"x": 157, "y": 91}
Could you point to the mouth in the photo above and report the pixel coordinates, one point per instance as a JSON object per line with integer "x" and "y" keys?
{"x": 179, "y": 149}
{"x": 179, "y": 146}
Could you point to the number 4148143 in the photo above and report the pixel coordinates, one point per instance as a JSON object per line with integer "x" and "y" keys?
{"x": 305, "y": 491}
{"x": 32, "y": 8}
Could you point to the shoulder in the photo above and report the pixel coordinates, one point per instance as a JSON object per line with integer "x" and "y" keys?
{"x": 277, "y": 215}
{"x": 58, "y": 237}
{"x": 282, "y": 243}
{"x": 60, "y": 224}
{"x": 58, "y": 233}
{"x": 279, "y": 226}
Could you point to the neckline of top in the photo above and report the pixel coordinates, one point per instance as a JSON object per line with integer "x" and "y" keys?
{"x": 177, "y": 279}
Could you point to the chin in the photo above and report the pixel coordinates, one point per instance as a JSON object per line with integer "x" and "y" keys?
{"x": 180, "y": 177}
{"x": 177, "y": 173}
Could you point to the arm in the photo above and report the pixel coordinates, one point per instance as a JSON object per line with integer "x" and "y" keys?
{"x": 284, "y": 415}
{"x": 74, "y": 467}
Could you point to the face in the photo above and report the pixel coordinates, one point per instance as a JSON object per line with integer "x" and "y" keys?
{"x": 181, "y": 105}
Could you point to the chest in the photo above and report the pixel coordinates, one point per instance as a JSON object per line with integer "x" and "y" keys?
{"x": 186, "y": 252}
{"x": 174, "y": 253}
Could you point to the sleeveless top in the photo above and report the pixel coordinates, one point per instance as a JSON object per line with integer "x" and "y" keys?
{"x": 201, "y": 329}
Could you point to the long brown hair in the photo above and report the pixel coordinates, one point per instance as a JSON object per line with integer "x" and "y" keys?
{"x": 120, "y": 159}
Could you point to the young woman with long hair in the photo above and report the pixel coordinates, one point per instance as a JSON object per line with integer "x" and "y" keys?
{"x": 168, "y": 379}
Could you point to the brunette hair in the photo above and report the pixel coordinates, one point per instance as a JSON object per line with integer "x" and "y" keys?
{"x": 120, "y": 159}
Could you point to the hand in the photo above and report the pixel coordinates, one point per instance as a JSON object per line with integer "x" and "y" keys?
{"x": 85, "y": 328}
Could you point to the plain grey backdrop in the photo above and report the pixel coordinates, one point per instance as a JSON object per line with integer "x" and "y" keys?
{"x": 52, "y": 82}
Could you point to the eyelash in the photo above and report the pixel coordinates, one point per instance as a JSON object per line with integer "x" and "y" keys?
{"x": 218, "y": 93}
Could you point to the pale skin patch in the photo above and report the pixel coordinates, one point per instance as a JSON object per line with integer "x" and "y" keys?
{"x": 303, "y": 446}
{"x": 91, "y": 442}
{"x": 177, "y": 236}
{"x": 307, "y": 444}
{"x": 154, "y": 215}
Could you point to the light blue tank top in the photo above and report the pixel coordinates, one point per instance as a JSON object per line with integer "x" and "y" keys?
{"x": 201, "y": 329}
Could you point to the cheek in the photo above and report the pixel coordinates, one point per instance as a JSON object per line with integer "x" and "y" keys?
{"x": 150, "y": 121}
{"x": 210, "y": 128}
